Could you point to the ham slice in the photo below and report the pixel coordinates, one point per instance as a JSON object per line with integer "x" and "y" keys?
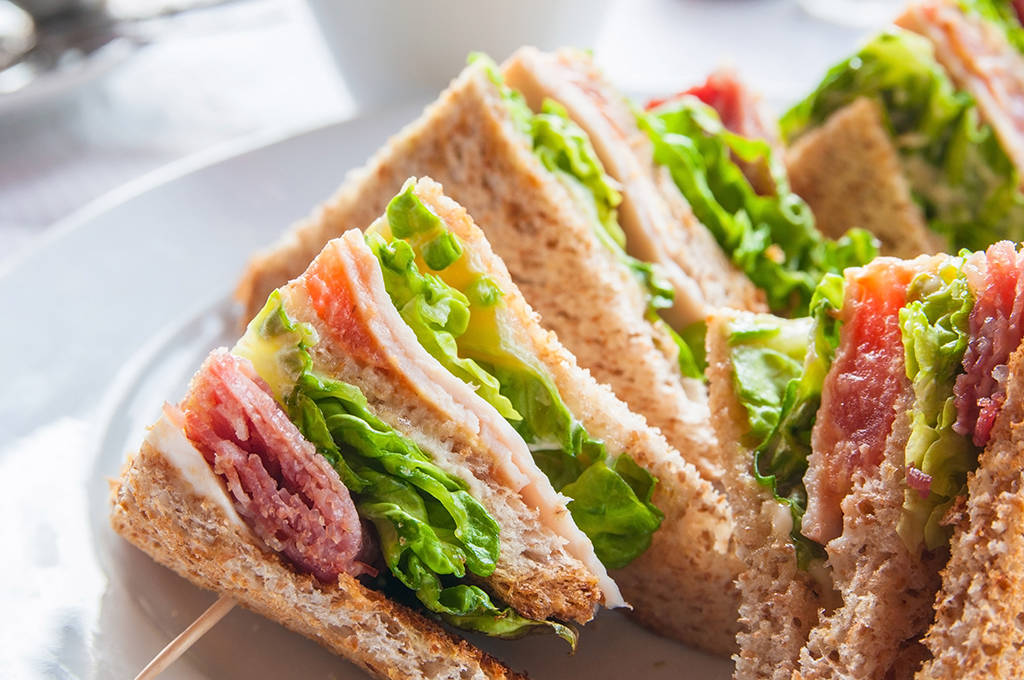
{"x": 859, "y": 393}
{"x": 980, "y": 60}
{"x": 285, "y": 491}
{"x": 996, "y": 331}
{"x": 345, "y": 288}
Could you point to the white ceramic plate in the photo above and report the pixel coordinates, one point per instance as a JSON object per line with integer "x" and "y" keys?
{"x": 104, "y": 322}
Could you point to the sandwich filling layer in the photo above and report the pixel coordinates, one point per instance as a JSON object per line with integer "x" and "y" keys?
{"x": 945, "y": 324}
{"x": 566, "y": 151}
{"x": 770, "y": 237}
{"x": 458, "y": 314}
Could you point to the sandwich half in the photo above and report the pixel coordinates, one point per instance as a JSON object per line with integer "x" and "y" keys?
{"x": 657, "y": 221}
{"x": 979, "y": 44}
{"x": 852, "y": 435}
{"x": 538, "y": 191}
{"x": 890, "y": 142}
{"x": 703, "y": 190}
{"x": 348, "y": 459}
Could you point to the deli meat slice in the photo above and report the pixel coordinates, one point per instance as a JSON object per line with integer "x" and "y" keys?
{"x": 344, "y": 285}
{"x": 285, "y": 491}
{"x": 995, "y": 331}
{"x": 980, "y": 60}
{"x": 859, "y": 393}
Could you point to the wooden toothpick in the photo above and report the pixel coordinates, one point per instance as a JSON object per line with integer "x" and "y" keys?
{"x": 189, "y": 637}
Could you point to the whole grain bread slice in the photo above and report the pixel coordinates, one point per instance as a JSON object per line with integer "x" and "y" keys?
{"x": 157, "y": 509}
{"x": 659, "y": 223}
{"x": 468, "y": 141}
{"x": 683, "y": 586}
{"x": 780, "y": 602}
{"x": 979, "y": 613}
{"x": 850, "y": 175}
{"x": 887, "y": 590}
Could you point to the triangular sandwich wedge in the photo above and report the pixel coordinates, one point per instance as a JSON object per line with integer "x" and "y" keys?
{"x": 658, "y": 223}
{"x": 343, "y": 462}
{"x": 854, "y": 437}
{"x": 901, "y": 140}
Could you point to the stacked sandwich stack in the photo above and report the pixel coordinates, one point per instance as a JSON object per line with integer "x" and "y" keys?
{"x": 477, "y": 401}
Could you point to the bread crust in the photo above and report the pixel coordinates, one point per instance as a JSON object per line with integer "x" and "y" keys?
{"x": 780, "y": 602}
{"x": 979, "y": 626}
{"x": 850, "y": 175}
{"x": 157, "y": 509}
{"x": 693, "y": 550}
{"x": 887, "y": 591}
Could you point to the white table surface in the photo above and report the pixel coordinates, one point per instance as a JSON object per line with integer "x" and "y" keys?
{"x": 260, "y": 67}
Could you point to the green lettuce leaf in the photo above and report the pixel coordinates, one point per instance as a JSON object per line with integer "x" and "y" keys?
{"x": 935, "y": 335}
{"x": 532, "y": 405}
{"x": 563, "y": 146}
{"x": 613, "y": 507}
{"x": 437, "y": 313}
{"x": 428, "y": 524}
{"x": 964, "y": 182}
{"x": 772, "y": 239}
{"x": 779, "y": 372}
{"x": 767, "y": 354}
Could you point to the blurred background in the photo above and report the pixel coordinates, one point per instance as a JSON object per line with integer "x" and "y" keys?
{"x": 95, "y": 94}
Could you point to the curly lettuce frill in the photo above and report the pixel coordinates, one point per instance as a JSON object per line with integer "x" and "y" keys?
{"x": 771, "y": 238}
{"x": 779, "y": 369}
{"x": 935, "y": 335}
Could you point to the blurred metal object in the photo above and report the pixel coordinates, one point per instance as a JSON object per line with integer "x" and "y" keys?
{"x": 61, "y": 42}
{"x": 75, "y": 38}
{"x": 17, "y": 33}
{"x": 42, "y": 11}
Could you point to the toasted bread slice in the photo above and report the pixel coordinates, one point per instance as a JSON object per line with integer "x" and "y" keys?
{"x": 692, "y": 549}
{"x": 161, "y": 506}
{"x": 659, "y": 224}
{"x": 468, "y": 141}
{"x": 850, "y": 174}
{"x": 977, "y": 631}
{"x": 887, "y": 591}
{"x": 780, "y": 602}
